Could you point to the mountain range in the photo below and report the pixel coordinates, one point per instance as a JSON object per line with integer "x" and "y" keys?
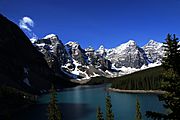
{"x": 22, "y": 66}
{"x": 34, "y": 66}
{"x": 79, "y": 63}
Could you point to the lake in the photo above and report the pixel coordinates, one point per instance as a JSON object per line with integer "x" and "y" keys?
{"x": 80, "y": 103}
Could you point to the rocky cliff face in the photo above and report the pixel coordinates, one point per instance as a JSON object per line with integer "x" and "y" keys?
{"x": 54, "y": 51}
{"x": 154, "y": 51}
{"x": 76, "y": 52}
{"x": 127, "y": 55}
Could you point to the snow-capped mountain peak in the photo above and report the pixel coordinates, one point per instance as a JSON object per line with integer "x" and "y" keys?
{"x": 72, "y": 44}
{"x": 50, "y": 36}
{"x": 53, "y": 39}
{"x": 154, "y": 44}
{"x": 151, "y": 42}
{"x": 131, "y": 43}
{"x": 101, "y": 47}
{"x": 127, "y": 54}
{"x": 101, "y": 51}
{"x": 124, "y": 46}
{"x": 154, "y": 51}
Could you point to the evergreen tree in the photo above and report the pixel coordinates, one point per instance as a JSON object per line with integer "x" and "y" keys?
{"x": 171, "y": 81}
{"x": 109, "y": 113}
{"x": 138, "y": 110}
{"x": 99, "y": 114}
{"x": 53, "y": 110}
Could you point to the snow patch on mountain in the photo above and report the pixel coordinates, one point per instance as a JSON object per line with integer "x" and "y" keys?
{"x": 33, "y": 40}
{"x": 50, "y": 36}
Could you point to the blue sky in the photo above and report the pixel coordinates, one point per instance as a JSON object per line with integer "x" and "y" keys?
{"x": 96, "y": 22}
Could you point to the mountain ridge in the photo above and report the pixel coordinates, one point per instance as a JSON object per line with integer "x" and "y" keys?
{"x": 86, "y": 63}
{"x": 22, "y": 65}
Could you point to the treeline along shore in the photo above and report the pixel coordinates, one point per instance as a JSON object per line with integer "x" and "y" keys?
{"x": 148, "y": 79}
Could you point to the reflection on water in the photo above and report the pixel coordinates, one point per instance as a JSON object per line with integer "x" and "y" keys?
{"x": 80, "y": 103}
{"x": 76, "y": 111}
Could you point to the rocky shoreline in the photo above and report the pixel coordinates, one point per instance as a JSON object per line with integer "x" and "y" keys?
{"x": 137, "y": 91}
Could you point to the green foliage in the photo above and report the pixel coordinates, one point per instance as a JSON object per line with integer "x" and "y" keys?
{"x": 172, "y": 56}
{"x": 99, "y": 115}
{"x": 171, "y": 81}
{"x": 148, "y": 79}
{"x": 53, "y": 110}
{"x": 138, "y": 110}
{"x": 109, "y": 113}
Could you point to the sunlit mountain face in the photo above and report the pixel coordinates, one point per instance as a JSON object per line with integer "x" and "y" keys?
{"x": 80, "y": 63}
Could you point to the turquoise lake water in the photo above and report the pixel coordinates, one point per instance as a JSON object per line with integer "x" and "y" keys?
{"x": 80, "y": 103}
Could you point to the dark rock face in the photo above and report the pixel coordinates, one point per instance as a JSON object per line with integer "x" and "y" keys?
{"x": 21, "y": 64}
{"x": 77, "y": 53}
{"x": 102, "y": 62}
{"x": 54, "y": 52}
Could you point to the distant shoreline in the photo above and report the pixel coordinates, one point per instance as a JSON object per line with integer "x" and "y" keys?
{"x": 137, "y": 91}
{"x": 80, "y": 82}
